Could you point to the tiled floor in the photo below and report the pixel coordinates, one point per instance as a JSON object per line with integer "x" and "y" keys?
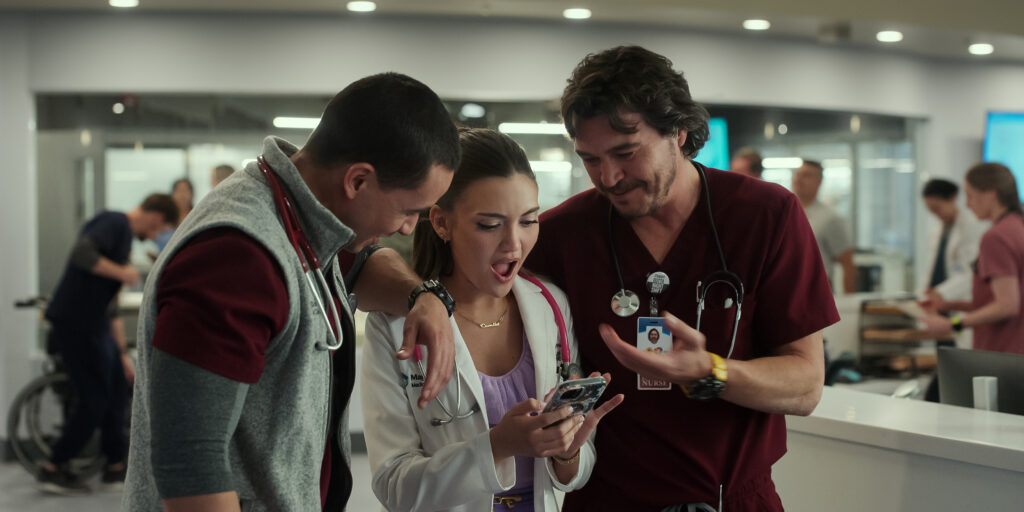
{"x": 18, "y": 493}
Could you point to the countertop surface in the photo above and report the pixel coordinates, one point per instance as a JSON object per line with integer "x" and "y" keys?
{"x": 979, "y": 437}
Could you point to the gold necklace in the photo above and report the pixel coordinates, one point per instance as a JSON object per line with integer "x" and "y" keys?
{"x": 483, "y": 325}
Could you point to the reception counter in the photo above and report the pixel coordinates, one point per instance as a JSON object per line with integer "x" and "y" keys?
{"x": 861, "y": 451}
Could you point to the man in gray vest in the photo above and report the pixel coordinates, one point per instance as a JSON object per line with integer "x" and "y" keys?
{"x": 246, "y": 347}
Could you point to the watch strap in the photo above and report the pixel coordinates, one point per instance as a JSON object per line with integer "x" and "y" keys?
{"x": 711, "y": 385}
{"x": 957, "y": 322}
{"x": 433, "y": 286}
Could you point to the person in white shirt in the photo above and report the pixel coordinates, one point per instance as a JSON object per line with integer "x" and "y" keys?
{"x": 484, "y": 443}
{"x": 830, "y": 230}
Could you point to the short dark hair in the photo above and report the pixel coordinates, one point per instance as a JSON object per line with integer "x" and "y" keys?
{"x": 391, "y": 121}
{"x": 940, "y": 188}
{"x": 815, "y": 164}
{"x": 752, "y": 157}
{"x": 162, "y": 204}
{"x": 995, "y": 176}
{"x": 221, "y": 172}
{"x": 638, "y": 80}
{"x": 485, "y": 154}
{"x": 186, "y": 181}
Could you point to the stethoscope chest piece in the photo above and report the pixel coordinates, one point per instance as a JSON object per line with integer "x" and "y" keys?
{"x": 625, "y": 303}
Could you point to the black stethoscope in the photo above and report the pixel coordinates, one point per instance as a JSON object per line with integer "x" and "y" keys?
{"x": 310, "y": 263}
{"x": 625, "y": 303}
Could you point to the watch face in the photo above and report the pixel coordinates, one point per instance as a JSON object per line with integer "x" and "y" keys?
{"x": 707, "y": 388}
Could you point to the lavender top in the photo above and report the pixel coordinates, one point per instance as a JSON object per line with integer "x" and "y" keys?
{"x": 500, "y": 394}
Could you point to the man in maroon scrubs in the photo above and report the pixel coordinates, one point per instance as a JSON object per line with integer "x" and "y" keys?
{"x": 705, "y": 421}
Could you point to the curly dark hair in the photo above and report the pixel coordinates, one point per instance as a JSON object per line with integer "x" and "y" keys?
{"x": 634, "y": 79}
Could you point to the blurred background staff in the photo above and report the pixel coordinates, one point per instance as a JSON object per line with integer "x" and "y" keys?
{"x": 830, "y": 231}
{"x": 953, "y": 245}
{"x": 91, "y": 345}
{"x": 219, "y": 174}
{"x": 747, "y": 161}
{"x": 183, "y": 194}
{"x": 994, "y": 311}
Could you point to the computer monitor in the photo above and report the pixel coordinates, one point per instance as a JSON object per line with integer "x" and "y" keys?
{"x": 958, "y": 367}
{"x": 1003, "y": 133}
{"x": 715, "y": 153}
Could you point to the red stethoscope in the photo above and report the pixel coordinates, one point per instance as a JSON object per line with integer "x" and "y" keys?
{"x": 310, "y": 263}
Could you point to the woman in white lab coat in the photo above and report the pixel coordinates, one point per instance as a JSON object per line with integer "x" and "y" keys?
{"x": 481, "y": 445}
{"x": 949, "y": 276}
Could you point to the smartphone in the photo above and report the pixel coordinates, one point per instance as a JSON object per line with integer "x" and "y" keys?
{"x": 580, "y": 394}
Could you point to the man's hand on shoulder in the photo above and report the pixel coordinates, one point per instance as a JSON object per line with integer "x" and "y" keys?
{"x": 427, "y": 324}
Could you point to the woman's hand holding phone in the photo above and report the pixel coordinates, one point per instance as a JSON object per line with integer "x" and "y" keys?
{"x": 590, "y": 421}
{"x": 521, "y": 431}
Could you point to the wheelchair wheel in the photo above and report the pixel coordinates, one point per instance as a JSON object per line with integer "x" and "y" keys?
{"x": 35, "y": 420}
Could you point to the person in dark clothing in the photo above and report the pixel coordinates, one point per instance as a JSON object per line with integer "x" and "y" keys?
{"x": 91, "y": 342}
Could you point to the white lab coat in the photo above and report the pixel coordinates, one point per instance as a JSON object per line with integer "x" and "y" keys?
{"x": 961, "y": 251}
{"x": 420, "y": 467}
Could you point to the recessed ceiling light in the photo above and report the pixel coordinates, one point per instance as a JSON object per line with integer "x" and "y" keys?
{"x": 361, "y": 6}
{"x": 124, "y": 3}
{"x": 576, "y": 13}
{"x": 118, "y": 108}
{"x": 785, "y": 162}
{"x": 756, "y": 24}
{"x": 981, "y": 49}
{"x": 783, "y": 129}
{"x": 297, "y": 123}
{"x": 472, "y": 111}
{"x": 889, "y": 36}
{"x": 533, "y": 128}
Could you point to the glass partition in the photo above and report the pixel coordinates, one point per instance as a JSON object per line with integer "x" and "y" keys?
{"x": 136, "y": 145}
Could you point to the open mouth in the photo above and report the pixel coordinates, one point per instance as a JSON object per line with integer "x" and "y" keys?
{"x": 504, "y": 269}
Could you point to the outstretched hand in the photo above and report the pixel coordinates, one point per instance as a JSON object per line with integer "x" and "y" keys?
{"x": 685, "y": 363}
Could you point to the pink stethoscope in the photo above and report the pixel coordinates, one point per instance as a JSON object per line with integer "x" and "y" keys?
{"x": 566, "y": 368}
{"x": 310, "y": 263}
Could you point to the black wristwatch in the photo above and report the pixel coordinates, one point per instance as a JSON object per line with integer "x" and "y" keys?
{"x": 433, "y": 286}
{"x": 711, "y": 385}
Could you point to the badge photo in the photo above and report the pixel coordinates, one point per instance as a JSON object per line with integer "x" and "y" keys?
{"x": 652, "y": 336}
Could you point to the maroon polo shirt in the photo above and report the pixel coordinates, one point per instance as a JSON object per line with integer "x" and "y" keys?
{"x": 660, "y": 448}
{"x": 221, "y": 299}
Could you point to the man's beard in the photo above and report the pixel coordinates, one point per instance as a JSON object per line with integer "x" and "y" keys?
{"x": 655, "y": 200}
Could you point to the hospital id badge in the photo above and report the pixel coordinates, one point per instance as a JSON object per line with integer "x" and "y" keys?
{"x": 652, "y": 336}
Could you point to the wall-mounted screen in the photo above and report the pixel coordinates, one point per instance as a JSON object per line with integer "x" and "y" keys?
{"x": 715, "y": 153}
{"x": 1004, "y": 143}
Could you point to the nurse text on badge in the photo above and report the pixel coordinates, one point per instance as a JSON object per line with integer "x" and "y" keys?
{"x": 652, "y": 336}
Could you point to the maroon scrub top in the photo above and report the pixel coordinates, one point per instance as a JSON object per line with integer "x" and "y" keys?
{"x": 660, "y": 448}
{"x": 1001, "y": 255}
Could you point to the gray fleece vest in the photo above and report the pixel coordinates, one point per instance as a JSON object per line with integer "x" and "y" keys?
{"x": 276, "y": 450}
